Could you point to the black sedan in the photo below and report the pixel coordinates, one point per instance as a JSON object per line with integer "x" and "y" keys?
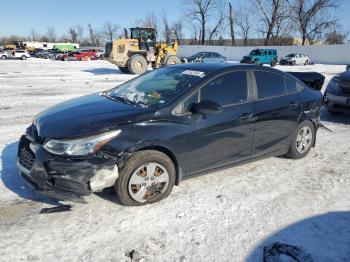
{"x": 337, "y": 94}
{"x": 146, "y": 135}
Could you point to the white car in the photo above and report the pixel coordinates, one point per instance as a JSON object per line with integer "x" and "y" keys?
{"x": 13, "y": 54}
{"x": 295, "y": 59}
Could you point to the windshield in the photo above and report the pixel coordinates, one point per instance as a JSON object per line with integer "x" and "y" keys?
{"x": 256, "y": 52}
{"x": 290, "y": 55}
{"x": 199, "y": 54}
{"x": 157, "y": 87}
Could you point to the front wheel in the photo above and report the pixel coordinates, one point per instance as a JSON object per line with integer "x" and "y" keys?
{"x": 306, "y": 62}
{"x": 137, "y": 64}
{"x": 273, "y": 63}
{"x": 303, "y": 140}
{"x": 147, "y": 177}
{"x": 23, "y": 57}
{"x": 172, "y": 60}
{"x": 3, "y": 57}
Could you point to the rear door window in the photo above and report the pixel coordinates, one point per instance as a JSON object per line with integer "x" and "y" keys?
{"x": 291, "y": 85}
{"x": 228, "y": 89}
{"x": 269, "y": 84}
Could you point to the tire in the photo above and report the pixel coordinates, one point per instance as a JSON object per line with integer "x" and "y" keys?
{"x": 3, "y": 57}
{"x": 293, "y": 63}
{"x": 172, "y": 60}
{"x": 136, "y": 166}
{"x": 137, "y": 64}
{"x": 273, "y": 63}
{"x": 256, "y": 62}
{"x": 46, "y": 57}
{"x": 23, "y": 57}
{"x": 293, "y": 151}
{"x": 306, "y": 62}
{"x": 124, "y": 70}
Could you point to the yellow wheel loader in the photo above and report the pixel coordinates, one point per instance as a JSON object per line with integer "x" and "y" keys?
{"x": 134, "y": 55}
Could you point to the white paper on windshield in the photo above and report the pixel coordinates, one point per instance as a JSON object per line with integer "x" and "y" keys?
{"x": 193, "y": 73}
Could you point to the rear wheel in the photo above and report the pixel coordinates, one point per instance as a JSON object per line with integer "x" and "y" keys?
{"x": 293, "y": 63}
{"x": 172, "y": 60}
{"x": 306, "y": 62}
{"x": 23, "y": 57}
{"x": 147, "y": 177}
{"x": 303, "y": 140}
{"x": 124, "y": 70}
{"x": 3, "y": 57}
{"x": 273, "y": 63}
{"x": 137, "y": 64}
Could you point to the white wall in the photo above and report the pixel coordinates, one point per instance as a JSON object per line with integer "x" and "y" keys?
{"x": 325, "y": 54}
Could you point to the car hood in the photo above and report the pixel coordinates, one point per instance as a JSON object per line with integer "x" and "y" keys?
{"x": 345, "y": 76}
{"x": 85, "y": 115}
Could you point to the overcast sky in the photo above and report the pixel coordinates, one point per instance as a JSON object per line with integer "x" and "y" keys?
{"x": 18, "y": 17}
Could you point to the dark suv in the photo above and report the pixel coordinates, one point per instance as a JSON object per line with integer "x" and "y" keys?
{"x": 146, "y": 135}
{"x": 337, "y": 94}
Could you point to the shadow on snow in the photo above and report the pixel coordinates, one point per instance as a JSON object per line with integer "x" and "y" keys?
{"x": 320, "y": 238}
{"x": 10, "y": 177}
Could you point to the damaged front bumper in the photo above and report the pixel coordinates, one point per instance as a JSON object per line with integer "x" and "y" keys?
{"x": 64, "y": 178}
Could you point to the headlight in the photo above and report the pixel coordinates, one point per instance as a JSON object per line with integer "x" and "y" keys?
{"x": 81, "y": 146}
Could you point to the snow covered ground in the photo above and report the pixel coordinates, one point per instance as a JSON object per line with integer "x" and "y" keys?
{"x": 224, "y": 216}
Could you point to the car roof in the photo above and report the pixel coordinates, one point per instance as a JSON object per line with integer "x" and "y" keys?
{"x": 214, "y": 67}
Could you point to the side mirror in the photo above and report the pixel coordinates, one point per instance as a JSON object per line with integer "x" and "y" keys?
{"x": 206, "y": 107}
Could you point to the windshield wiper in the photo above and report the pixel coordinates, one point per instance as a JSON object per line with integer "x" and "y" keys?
{"x": 122, "y": 99}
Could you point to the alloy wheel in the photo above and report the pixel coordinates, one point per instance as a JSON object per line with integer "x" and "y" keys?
{"x": 304, "y": 139}
{"x": 148, "y": 181}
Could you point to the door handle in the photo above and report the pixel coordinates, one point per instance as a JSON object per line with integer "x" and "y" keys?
{"x": 292, "y": 104}
{"x": 248, "y": 117}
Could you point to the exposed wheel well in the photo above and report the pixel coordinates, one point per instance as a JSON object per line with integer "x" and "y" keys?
{"x": 170, "y": 155}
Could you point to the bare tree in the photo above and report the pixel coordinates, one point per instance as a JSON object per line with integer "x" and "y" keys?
{"x": 34, "y": 36}
{"x": 271, "y": 13}
{"x": 73, "y": 35}
{"x": 150, "y": 20}
{"x": 79, "y": 29}
{"x": 313, "y": 17}
{"x": 167, "y": 34}
{"x": 94, "y": 36}
{"x": 178, "y": 31}
{"x": 244, "y": 22}
{"x": 335, "y": 37}
{"x": 198, "y": 12}
{"x": 51, "y": 33}
{"x": 218, "y": 16}
{"x": 110, "y": 31}
{"x": 232, "y": 23}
